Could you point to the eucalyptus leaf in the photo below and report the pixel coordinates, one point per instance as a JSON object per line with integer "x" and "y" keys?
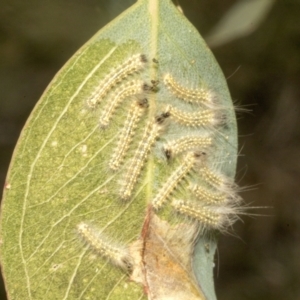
{"x": 243, "y": 18}
{"x": 100, "y": 201}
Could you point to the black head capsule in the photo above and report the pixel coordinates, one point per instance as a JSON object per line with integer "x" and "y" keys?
{"x": 168, "y": 153}
{"x": 161, "y": 118}
{"x": 154, "y": 82}
{"x": 150, "y": 88}
{"x": 128, "y": 266}
{"x": 201, "y": 158}
{"x": 144, "y": 58}
{"x": 146, "y": 87}
{"x": 200, "y": 154}
{"x": 143, "y": 103}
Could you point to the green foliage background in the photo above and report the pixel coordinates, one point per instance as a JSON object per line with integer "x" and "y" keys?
{"x": 263, "y": 69}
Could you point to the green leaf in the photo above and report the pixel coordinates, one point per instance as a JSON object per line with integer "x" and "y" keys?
{"x": 73, "y": 228}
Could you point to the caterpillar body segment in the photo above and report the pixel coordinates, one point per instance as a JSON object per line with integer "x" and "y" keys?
{"x": 202, "y": 95}
{"x": 175, "y": 147}
{"x": 217, "y": 195}
{"x": 130, "y": 88}
{"x": 174, "y": 180}
{"x": 119, "y": 256}
{"x": 148, "y": 139}
{"x": 209, "y": 217}
{"x": 217, "y": 180}
{"x": 132, "y": 65}
{"x": 202, "y": 118}
{"x": 207, "y": 196}
{"x": 125, "y": 138}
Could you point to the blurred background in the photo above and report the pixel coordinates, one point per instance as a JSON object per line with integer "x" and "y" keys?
{"x": 257, "y": 44}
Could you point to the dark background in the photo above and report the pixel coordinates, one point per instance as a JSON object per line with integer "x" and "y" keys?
{"x": 261, "y": 259}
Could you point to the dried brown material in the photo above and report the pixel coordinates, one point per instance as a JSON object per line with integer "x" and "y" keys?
{"x": 165, "y": 268}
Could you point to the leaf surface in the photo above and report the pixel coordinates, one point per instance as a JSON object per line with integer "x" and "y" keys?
{"x": 60, "y": 177}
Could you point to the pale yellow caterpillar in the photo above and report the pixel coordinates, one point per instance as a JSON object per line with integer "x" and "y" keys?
{"x": 209, "y": 217}
{"x": 117, "y": 255}
{"x": 190, "y": 95}
{"x": 133, "y": 87}
{"x": 149, "y": 137}
{"x": 134, "y": 114}
{"x": 195, "y": 119}
{"x": 210, "y": 197}
{"x": 175, "y": 147}
{"x": 219, "y": 181}
{"x": 132, "y": 65}
{"x": 173, "y": 181}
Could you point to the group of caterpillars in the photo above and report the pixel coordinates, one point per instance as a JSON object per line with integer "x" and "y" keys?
{"x": 213, "y": 204}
